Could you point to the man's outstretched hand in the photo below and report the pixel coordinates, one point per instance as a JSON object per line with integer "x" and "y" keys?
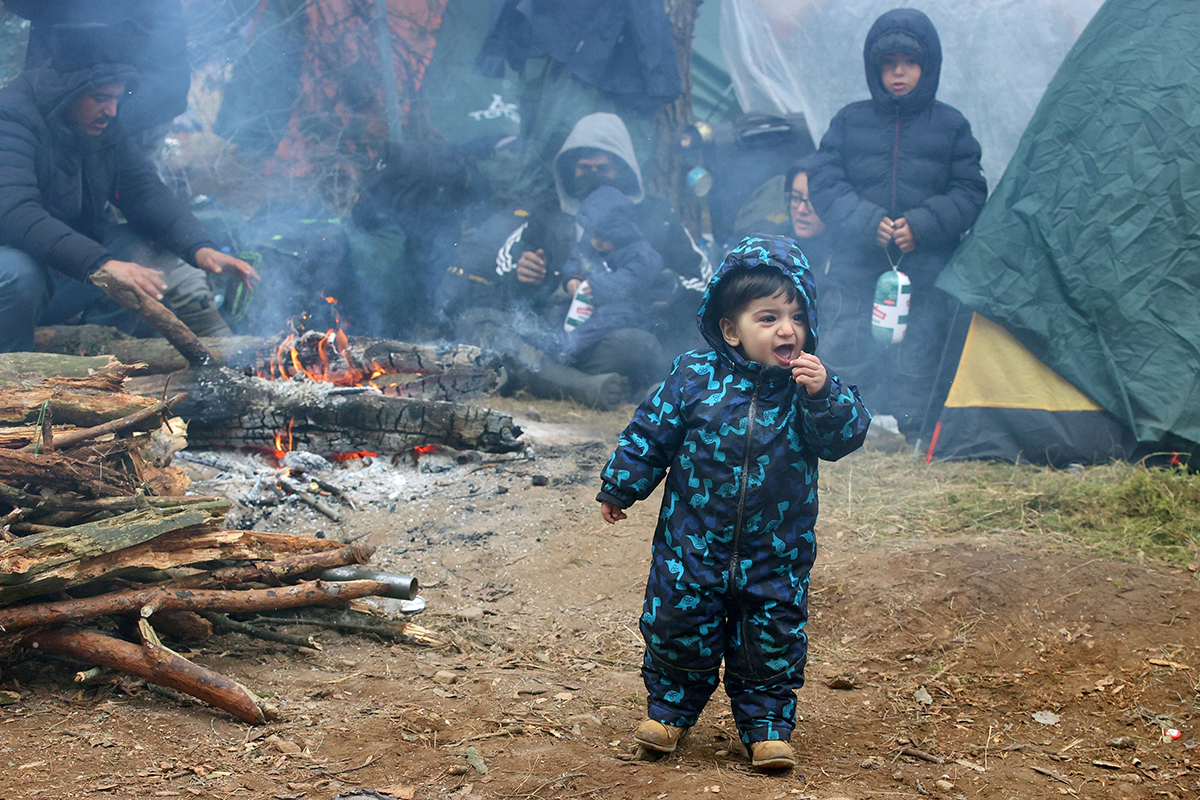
{"x": 145, "y": 280}
{"x": 219, "y": 263}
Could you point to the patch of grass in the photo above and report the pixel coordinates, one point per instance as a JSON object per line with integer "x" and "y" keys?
{"x": 1117, "y": 510}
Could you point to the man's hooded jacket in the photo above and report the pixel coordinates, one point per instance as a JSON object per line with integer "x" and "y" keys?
{"x": 910, "y": 156}
{"x": 55, "y": 179}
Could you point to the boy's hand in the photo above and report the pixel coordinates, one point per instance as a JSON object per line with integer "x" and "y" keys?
{"x": 809, "y": 372}
{"x": 903, "y": 234}
{"x": 612, "y": 515}
{"x": 885, "y": 232}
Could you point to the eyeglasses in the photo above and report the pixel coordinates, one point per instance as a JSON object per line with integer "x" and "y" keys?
{"x": 795, "y": 199}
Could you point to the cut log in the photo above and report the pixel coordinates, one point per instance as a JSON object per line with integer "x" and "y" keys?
{"x": 19, "y": 369}
{"x": 158, "y": 355}
{"x": 151, "y": 601}
{"x": 62, "y": 473}
{"x": 156, "y": 664}
{"x": 85, "y": 409}
{"x": 37, "y": 564}
{"x": 227, "y": 408}
{"x": 273, "y": 572}
{"x": 16, "y": 437}
{"x": 180, "y": 548}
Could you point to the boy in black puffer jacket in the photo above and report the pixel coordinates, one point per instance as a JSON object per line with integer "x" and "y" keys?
{"x": 898, "y": 182}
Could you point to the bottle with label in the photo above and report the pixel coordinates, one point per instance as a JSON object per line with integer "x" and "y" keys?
{"x": 889, "y": 315}
{"x": 581, "y": 307}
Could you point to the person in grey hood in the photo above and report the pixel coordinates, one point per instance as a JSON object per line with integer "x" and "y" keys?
{"x": 898, "y": 182}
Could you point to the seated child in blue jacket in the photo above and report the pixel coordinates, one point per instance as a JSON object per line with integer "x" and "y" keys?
{"x": 736, "y": 431}
{"x": 624, "y": 274}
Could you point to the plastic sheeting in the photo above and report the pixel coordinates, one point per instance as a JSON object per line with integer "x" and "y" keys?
{"x": 1087, "y": 251}
{"x": 999, "y": 55}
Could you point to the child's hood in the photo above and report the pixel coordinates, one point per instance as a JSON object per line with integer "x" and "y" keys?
{"x": 891, "y": 32}
{"x": 757, "y": 250}
{"x": 609, "y": 214}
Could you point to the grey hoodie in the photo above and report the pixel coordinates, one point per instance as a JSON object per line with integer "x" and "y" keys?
{"x": 599, "y": 131}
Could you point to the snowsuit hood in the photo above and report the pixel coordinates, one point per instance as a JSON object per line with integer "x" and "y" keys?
{"x": 599, "y": 131}
{"x": 902, "y": 27}
{"x": 759, "y": 250}
{"x": 609, "y": 214}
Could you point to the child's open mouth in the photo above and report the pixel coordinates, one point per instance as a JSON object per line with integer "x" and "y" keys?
{"x": 785, "y": 354}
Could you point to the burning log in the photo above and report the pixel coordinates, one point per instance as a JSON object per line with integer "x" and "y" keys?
{"x": 242, "y": 411}
{"x": 157, "y": 664}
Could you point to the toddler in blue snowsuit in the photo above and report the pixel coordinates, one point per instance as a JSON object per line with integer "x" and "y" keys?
{"x": 736, "y": 431}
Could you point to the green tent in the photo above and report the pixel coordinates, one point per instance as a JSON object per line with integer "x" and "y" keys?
{"x": 1088, "y": 251}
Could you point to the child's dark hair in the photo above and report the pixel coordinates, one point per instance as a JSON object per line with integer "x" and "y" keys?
{"x": 740, "y": 287}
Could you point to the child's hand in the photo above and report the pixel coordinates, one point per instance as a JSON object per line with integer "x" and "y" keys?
{"x": 612, "y": 515}
{"x": 885, "y": 232}
{"x": 903, "y": 235}
{"x": 809, "y": 372}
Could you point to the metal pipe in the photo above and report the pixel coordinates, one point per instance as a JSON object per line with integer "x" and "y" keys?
{"x": 401, "y": 587}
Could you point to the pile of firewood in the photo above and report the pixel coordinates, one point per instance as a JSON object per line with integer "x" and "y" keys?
{"x": 101, "y": 552}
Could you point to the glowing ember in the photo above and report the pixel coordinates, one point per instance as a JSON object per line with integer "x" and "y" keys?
{"x": 424, "y": 449}
{"x": 341, "y": 458}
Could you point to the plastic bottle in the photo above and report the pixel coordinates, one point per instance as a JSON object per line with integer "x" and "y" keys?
{"x": 581, "y": 307}
{"x": 889, "y": 316}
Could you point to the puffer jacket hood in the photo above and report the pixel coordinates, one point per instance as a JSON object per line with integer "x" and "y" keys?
{"x": 901, "y": 23}
{"x": 610, "y": 215}
{"x": 599, "y": 131}
{"x": 757, "y": 250}
{"x": 53, "y": 92}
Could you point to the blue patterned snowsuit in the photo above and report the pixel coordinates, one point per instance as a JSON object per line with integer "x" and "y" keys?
{"x": 738, "y": 443}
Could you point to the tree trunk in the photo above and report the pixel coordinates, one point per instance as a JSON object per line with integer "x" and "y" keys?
{"x": 666, "y": 173}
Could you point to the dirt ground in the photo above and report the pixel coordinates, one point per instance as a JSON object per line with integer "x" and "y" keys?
{"x": 982, "y": 664}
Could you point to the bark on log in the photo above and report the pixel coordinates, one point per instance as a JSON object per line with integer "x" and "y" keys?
{"x": 62, "y": 473}
{"x": 20, "y": 369}
{"x": 65, "y": 503}
{"x": 124, "y": 423}
{"x": 156, "y": 664}
{"x": 158, "y": 355}
{"x": 193, "y": 545}
{"x": 159, "y": 316}
{"x": 273, "y": 572}
{"x": 227, "y": 408}
{"x": 85, "y": 409}
{"x": 41, "y": 563}
{"x": 147, "y": 602}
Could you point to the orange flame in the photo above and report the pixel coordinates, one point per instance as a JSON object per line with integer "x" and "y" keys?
{"x": 341, "y": 458}
{"x": 424, "y": 449}
{"x": 326, "y": 358}
{"x": 283, "y": 440}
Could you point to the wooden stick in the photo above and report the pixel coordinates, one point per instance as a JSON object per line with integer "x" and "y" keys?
{"x": 161, "y": 318}
{"x": 75, "y": 437}
{"x": 156, "y": 664}
{"x": 294, "y": 487}
{"x": 225, "y": 623}
{"x": 149, "y": 601}
{"x": 56, "y": 502}
{"x": 273, "y": 572}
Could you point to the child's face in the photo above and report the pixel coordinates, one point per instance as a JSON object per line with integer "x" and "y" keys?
{"x": 771, "y": 330}
{"x": 602, "y": 245}
{"x": 900, "y": 73}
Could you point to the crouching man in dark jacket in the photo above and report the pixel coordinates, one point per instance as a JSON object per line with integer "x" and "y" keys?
{"x": 64, "y": 159}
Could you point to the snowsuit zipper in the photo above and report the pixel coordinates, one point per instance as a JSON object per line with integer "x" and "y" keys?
{"x": 895, "y": 164}
{"x": 745, "y": 481}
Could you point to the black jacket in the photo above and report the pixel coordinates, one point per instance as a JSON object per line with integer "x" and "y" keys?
{"x": 55, "y": 180}
{"x": 622, "y": 47}
{"x": 909, "y": 156}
